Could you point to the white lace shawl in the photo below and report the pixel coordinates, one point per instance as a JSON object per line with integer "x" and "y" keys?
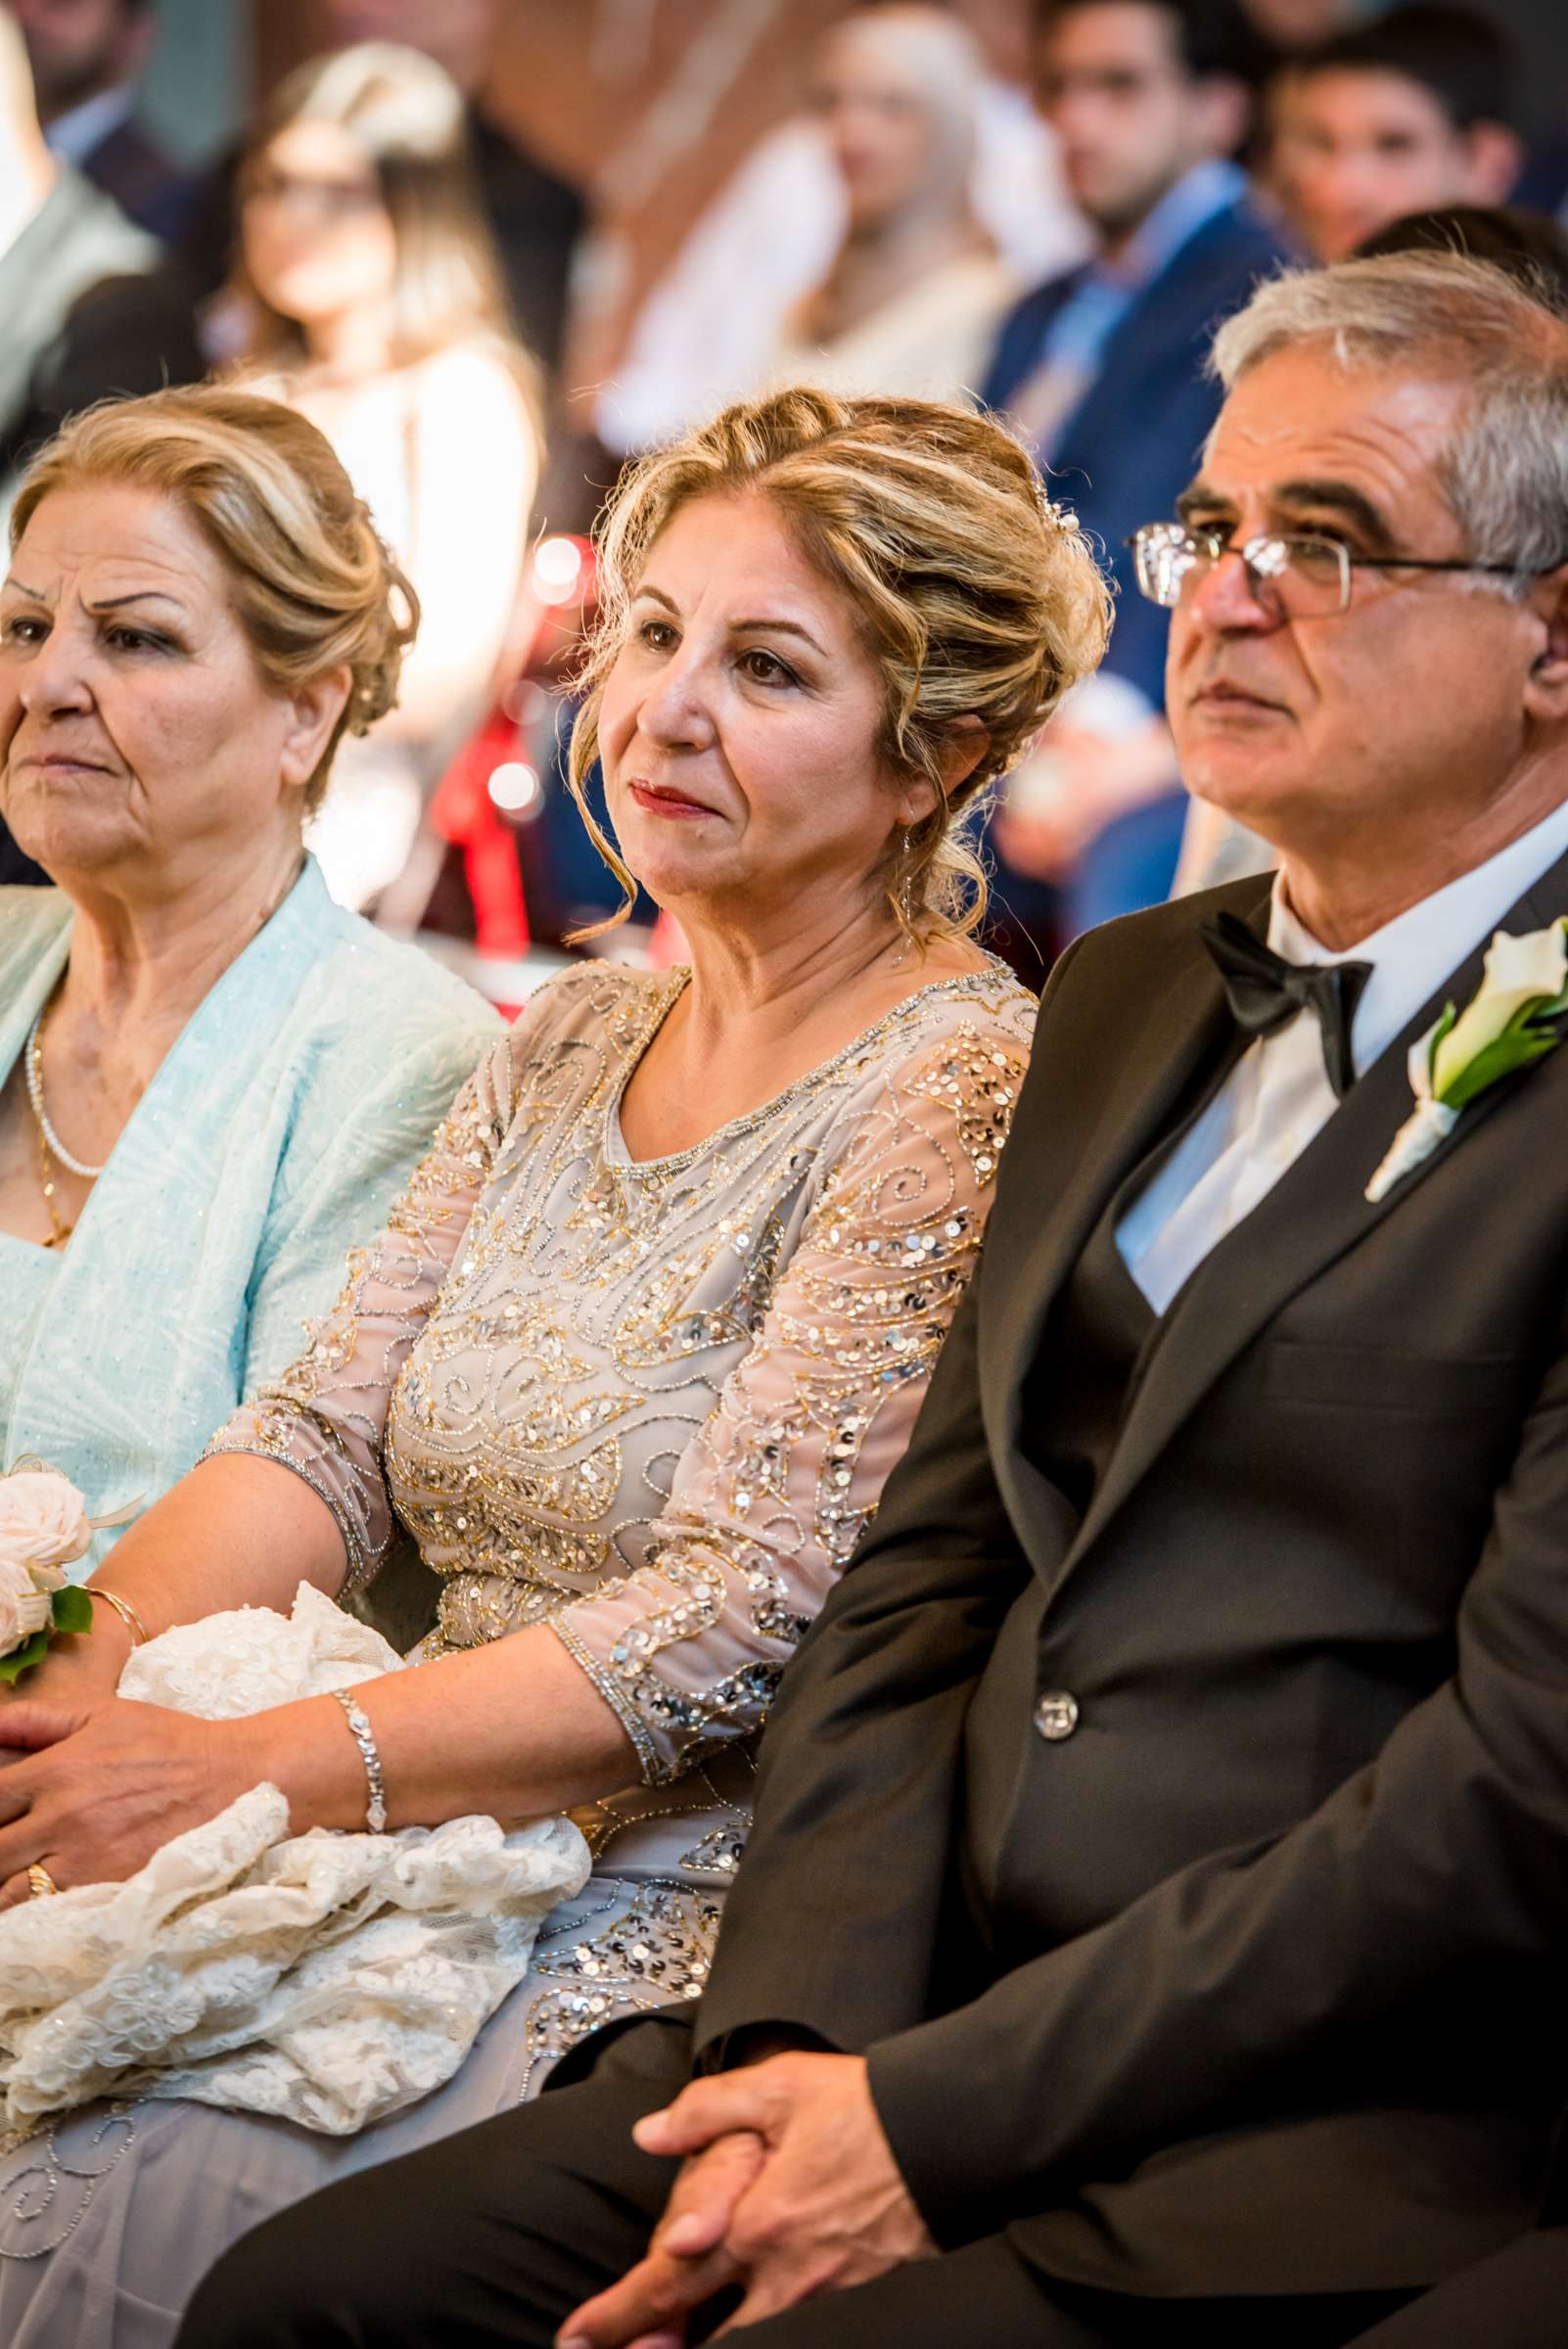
{"x": 324, "y": 1978}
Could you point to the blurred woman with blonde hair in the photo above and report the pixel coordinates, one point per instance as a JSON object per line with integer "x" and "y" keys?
{"x": 912, "y": 300}
{"x": 372, "y": 299}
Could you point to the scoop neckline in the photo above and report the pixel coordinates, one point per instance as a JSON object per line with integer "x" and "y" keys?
{"x": 672, "y": 1161}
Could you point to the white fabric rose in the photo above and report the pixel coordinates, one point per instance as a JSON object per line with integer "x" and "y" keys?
{"x": 24, "y": 1607}
{"x": 43, "y": 1525}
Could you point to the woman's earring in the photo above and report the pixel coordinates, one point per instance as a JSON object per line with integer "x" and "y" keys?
{"x": 903, "y": 893}
{"x": 906, "y": 886}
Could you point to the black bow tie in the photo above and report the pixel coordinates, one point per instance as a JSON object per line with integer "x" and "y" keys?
{"x": 1266, "y": 991}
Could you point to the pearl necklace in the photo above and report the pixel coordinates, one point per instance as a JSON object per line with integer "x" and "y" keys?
{"x": 33, "y": 1064}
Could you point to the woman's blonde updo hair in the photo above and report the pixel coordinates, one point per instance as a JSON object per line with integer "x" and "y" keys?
{"x": 977, "y": 597}
{"x": 313, "y": 586}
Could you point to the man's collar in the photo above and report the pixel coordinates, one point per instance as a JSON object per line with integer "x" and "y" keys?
{"x": 74, "y": 135}
{"x": 1198, "y": 195}
{"x": 1413, "y": 954}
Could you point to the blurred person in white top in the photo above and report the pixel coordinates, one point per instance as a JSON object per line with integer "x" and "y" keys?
{"x": 535, "y": 216}
{"x": 376, "y": 307}
{"x": 912, "y": 298}
{"x": 713, "y": 324}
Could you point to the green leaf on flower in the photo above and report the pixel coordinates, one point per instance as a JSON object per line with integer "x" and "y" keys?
{"x": 73, "y": 1609}
{"x": 1522, "y": 1041}
{"x": 21, "y": 1659}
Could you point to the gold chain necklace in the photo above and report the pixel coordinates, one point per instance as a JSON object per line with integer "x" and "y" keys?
{"x": 49, "y": 1148}
{"x": 58, "y": 1233}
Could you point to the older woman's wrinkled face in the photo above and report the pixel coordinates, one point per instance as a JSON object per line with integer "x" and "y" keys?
{"x": 740, "y": 724}
{"x": 319, "y": 243}
{"x": 136, "y": 730}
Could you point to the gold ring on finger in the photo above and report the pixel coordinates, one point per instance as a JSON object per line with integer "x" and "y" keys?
{"x": 40, "y": 1882}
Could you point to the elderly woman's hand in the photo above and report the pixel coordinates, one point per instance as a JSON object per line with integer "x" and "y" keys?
{"x": 105, "y": 1786}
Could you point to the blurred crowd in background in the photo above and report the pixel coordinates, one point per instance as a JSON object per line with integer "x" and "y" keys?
{"x": 1050, "y": 224}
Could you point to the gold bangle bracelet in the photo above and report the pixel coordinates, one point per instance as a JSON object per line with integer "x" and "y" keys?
{"x": 123, "y": 1609}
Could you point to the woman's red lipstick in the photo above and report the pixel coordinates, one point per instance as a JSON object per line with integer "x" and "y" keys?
{"x": 658, "y": 800}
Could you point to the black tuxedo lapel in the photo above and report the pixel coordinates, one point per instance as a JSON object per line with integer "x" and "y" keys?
{"x": 1314, "y": 1212}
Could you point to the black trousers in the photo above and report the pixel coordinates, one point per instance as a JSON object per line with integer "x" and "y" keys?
{"x": 1518, "y": 2299}
{"x": 491, "y": 2237}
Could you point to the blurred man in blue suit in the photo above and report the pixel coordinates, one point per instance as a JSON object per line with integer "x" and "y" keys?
{"x": 1102, "y": 369}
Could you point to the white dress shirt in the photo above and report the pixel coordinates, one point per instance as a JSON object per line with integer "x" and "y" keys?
{"x": 1278, "y": 1097}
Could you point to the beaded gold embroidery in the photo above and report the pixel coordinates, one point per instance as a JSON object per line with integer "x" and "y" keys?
{"x": 657, "y": 1951}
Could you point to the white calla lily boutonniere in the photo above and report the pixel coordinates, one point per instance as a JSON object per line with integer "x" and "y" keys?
{"x": 1515, "y": 1017}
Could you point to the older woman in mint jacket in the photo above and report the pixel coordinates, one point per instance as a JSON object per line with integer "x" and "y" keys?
{"x": 211, "y": 1078}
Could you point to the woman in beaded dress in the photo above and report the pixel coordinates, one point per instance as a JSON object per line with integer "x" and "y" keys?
{"x": 636, "y": 1350}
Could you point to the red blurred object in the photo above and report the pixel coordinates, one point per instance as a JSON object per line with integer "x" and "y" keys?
{"x": 667, "y": 945}
{"x": 467, "y": 818}
{"x": 487, "y": 783}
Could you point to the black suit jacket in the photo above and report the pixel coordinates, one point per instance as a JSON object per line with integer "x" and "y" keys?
{"x": 1256, "y": 1982}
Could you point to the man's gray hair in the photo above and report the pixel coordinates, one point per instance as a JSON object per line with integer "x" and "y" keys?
{"x": 1506, "y": 475}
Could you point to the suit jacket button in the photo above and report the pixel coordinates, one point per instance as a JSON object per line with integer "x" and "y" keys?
{"x": 1056, "y": 1715}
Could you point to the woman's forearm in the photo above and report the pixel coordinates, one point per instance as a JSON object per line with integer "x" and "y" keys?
{"x": 514, "y": 1728}
{"x": 235, "y": 1531}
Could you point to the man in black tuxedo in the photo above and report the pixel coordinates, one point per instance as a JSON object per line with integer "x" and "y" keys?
{"x": 1153, "y": 1930}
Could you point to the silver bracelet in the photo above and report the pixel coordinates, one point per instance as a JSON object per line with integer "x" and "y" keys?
{"x": 364, "y": 1738}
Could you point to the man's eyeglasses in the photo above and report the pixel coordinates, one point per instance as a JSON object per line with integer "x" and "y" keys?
{"x": 1297, "y": 576}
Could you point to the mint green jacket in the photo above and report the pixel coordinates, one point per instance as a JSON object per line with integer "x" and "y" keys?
{"x": 274, "y": 1136}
